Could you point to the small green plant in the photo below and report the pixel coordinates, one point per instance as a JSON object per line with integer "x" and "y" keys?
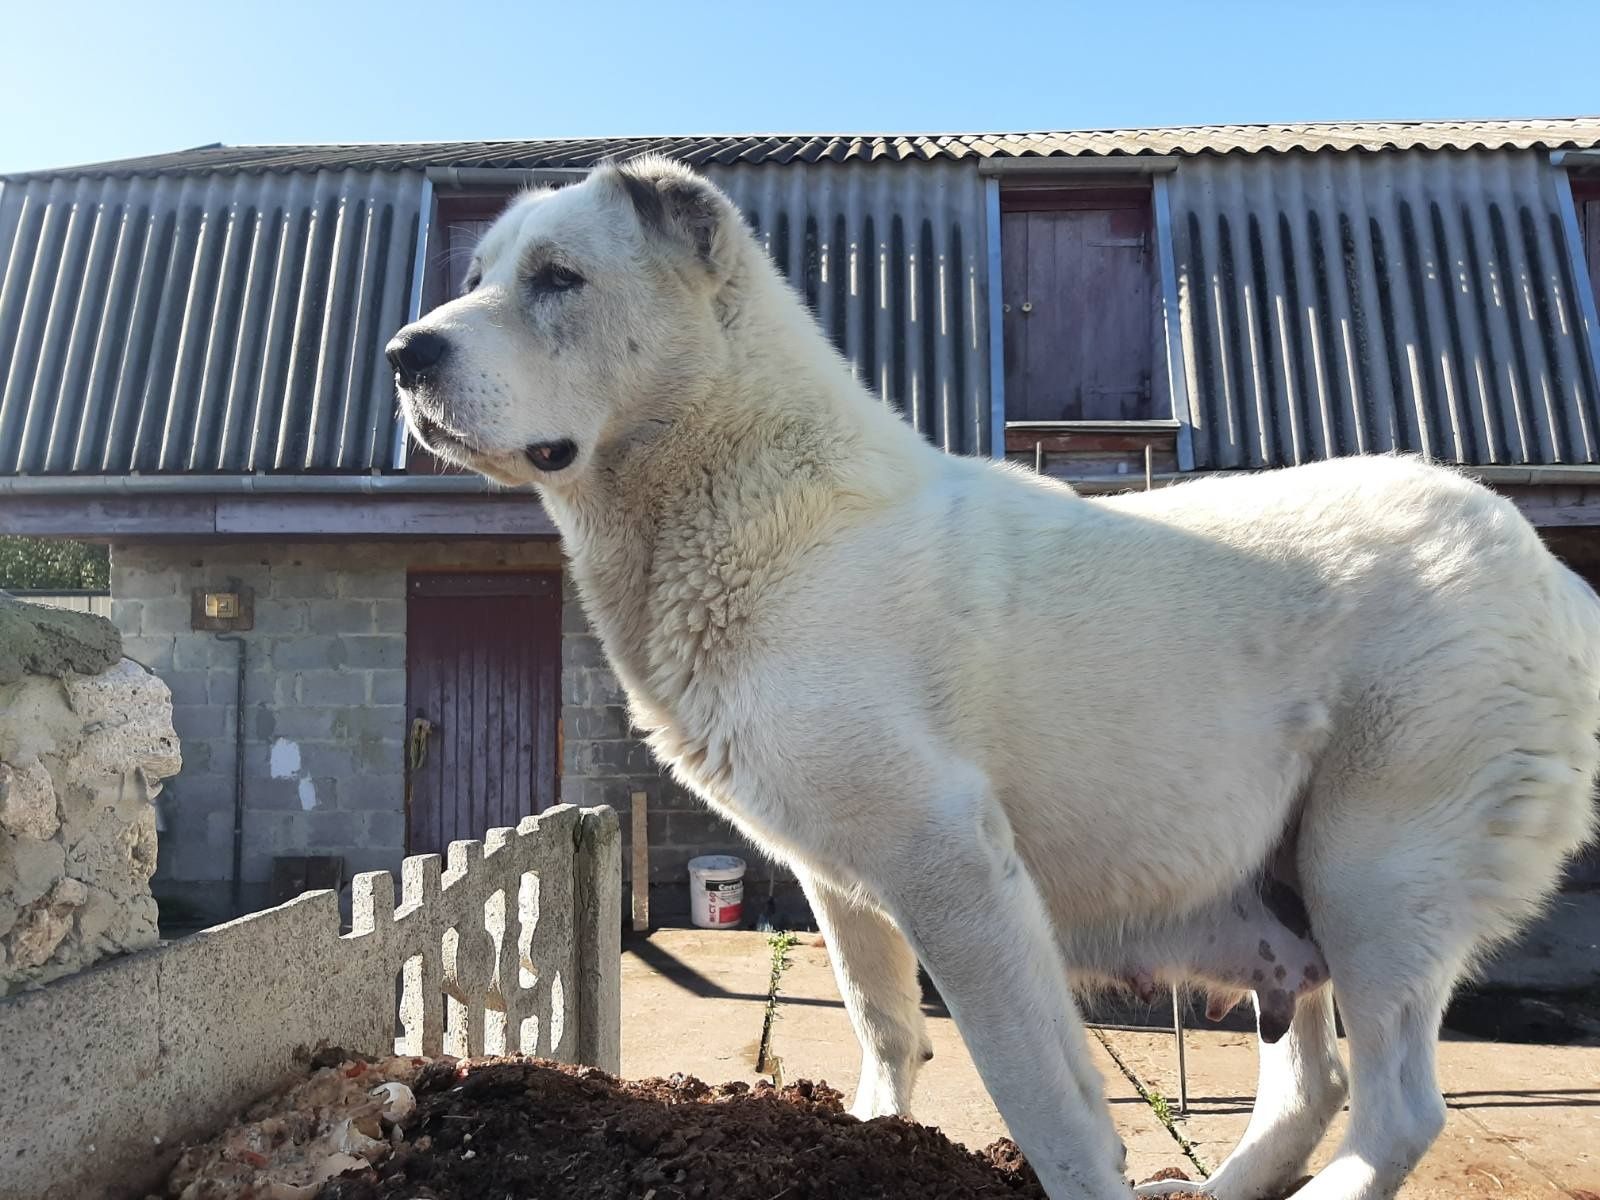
{"x": 1159, "y": 1104}
{"x": 766, "y": 1061}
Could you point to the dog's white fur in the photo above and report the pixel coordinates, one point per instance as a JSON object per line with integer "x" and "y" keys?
{"x": 978, "y": 714}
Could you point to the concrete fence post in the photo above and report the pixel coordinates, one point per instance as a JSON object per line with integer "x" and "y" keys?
{"x": 597, "y": 909}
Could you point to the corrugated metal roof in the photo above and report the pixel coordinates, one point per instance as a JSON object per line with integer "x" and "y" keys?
{"x": 726, "y": 149}
{"x": 198, "y": 324}
{"x": 893, "y": 265}
{"x": 1343, "y": 305}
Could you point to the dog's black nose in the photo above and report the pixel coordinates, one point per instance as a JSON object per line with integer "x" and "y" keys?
{"x": 414, "y": 354}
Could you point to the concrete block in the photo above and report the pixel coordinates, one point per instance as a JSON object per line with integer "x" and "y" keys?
{"x": 590, "y": 687}
{"x": 307, "y": 651}
{"x": 372, "y": 584}
{"x": 386, "y": 687}
{"x": 604, "y": 688}
{"x": 339, "y": 616}
{"x": 573, "y": 619}
{"x": 199, "y": 651}
{"x": 127, "y": 616}
{"x": 381, "y": 651}
{"x": 300, "y": 582}
{"x": 582, "y": 650}
{"x": 298, "y": 722}
{"x": 198, "y": 721}
{"x": 701, "y": 831}
{"x": 200, "y": 756}
{"x": 165, "y": 615}
{"x": 609, "y": 721}
{"x": 329, "y": 760}
{"x": 189, "y": 687}
{"x": 147, "y": 581}
{"x": 155, "y": 653}
{"x": 366, "y": 793}
{"x": 82, "y": 1056}
{"x": 385, "y": 721}
{"x": 276, "y": 615}
{"x": 618, "y": 756}
{"x": 283, "y": 795}
{"x": 222, "y": 685}
{"x": 331, "y": 832}
{"x": 380, "y": 755}
{"x": 330, "y": 687}
{"x": 388, "y": 616}
{"x": 385, "y": 828}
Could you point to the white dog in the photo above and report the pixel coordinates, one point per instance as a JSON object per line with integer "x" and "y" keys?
{"x": 985, "y": 720}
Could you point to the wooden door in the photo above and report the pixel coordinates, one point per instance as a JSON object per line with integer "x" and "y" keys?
{"x": 1079, "y": 316}
{"x": 1586, "y": 196}
{"x": 483, "y": 702}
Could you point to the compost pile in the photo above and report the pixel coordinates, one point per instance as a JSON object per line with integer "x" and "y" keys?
{"x": 359, "y": 1129}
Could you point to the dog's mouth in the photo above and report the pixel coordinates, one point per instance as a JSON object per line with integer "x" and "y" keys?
{"x": 547, "y": 458}
{"x": 436, "y": 438}
{"x": 550, "y": 457}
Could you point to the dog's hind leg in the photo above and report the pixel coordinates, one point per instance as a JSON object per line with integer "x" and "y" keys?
{"x": 1300, "y": 1088}
{"x": 949, "y": 868}
{"x": 877, "y": 975}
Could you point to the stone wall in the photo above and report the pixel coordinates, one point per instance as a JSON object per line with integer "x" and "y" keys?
{"x": 86, "y": 738}
{"x": 325, "y": 716}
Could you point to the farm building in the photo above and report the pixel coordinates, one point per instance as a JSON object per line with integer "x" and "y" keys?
{"x": 371, "y": 656}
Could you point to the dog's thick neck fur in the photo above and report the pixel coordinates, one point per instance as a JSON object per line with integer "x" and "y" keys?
{"x": 689, "y": 516}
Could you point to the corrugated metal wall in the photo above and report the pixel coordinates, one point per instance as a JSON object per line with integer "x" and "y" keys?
{"x": 1355, "y": 303}
{"x": 213, "y": 323}
{"x": 891, "y": 258}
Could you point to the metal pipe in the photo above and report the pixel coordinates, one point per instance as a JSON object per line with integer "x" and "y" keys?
{"x": 238, "y": 774}
{"x": 83, "y": 485}
{"x": 1183, "y": 1069}
{"x": 1114, "y": 164}
{"x": 502, "y": 177}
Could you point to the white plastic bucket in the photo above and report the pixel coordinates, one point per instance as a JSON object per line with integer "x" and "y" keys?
{"x": 716, "y": 891}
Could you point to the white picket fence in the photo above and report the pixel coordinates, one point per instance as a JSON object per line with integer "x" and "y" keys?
{"x": 513, "y": 945}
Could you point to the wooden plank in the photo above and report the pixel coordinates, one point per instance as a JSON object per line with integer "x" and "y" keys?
{"x": 102, "y": 518}
{"x": 382, "y": 516}
{"x": 638, "y": 804}
{"x": 1018, "y": 441}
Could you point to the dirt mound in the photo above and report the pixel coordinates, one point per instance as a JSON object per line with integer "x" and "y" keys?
{"x": 521, "y": 1128}
{"x": 417, "y": 1129}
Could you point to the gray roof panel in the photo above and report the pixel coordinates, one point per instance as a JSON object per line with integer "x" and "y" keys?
{"x": 703, "y": 150}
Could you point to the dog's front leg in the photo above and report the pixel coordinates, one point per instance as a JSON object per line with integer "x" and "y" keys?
{"x": 877, "y": 974}
{"x": 953, "y": 881}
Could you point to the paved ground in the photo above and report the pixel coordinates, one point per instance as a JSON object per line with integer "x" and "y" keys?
{"x": 1524, "y": 1119}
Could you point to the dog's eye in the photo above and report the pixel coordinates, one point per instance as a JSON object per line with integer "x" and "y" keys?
{"x": 473, "y": 279}
{"x": 552, "y": 278}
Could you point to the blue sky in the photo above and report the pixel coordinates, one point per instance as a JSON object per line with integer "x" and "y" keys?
{"x": 81, "y": 81}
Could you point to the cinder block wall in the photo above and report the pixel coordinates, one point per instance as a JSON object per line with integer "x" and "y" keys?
{"x": 325, "y": 715}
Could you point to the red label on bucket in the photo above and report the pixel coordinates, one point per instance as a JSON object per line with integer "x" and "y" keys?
{"x": 725, "y": 900}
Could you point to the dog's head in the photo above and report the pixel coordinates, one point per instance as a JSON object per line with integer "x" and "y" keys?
{"x": 584, "y": 308}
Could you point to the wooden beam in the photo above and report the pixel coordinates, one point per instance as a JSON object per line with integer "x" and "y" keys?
{"x": 103, "y": 518}
{"x": 383, "y": 516}
{"x": 155, "y": 515}
{"x": 639, "y": 806}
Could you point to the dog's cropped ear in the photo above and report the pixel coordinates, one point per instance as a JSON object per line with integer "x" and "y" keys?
{"x": 677, "y": 204}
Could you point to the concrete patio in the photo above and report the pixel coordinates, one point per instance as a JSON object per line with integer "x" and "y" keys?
{"x": 1524, "y": 1119}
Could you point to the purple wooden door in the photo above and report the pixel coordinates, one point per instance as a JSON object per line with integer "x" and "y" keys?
{"x": 1079, "y": 316}
{"x": 483, "y": 702}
